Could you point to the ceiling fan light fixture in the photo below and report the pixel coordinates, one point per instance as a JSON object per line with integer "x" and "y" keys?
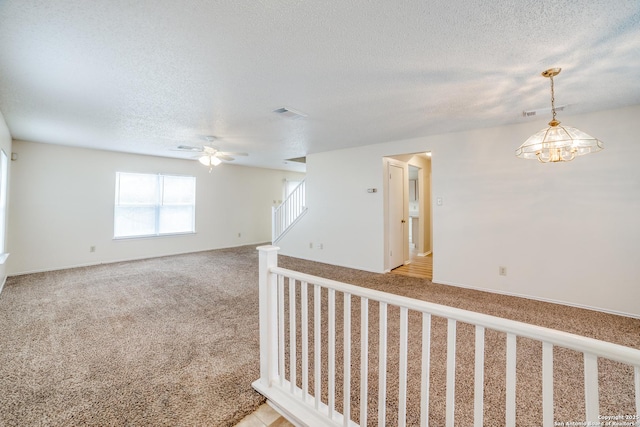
{"x": 209, "y": 160}
{"x": 557, "y": 143}
{"x": 210, "y": 156}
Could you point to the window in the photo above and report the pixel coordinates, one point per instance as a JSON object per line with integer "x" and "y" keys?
{"x": 154, "y": 205}
{"x": 4, "y": 177}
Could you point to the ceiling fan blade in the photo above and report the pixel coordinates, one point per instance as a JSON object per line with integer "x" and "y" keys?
{"x": 228, "y": 153}
{"x": 208, "y": 150}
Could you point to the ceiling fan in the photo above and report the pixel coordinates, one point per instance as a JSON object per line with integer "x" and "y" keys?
{"x": 208, "y": 155}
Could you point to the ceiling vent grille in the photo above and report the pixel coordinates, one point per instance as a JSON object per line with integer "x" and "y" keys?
{"x": 290, "y": 113}
{"x": 542, "y": 111}
{"x": 298, "y": 159}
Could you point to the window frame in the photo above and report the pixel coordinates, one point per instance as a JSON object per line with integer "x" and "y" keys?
{"x": 157, "y": 206}
{"x": 4, "y": 192}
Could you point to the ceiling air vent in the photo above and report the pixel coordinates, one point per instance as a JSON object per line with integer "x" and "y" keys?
{"x": 298, "y": 159}
{"x": 542, "y": 111}
{"x": 290, "y": 113}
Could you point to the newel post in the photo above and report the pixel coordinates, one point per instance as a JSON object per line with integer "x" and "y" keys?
{"x": 268, "y": 314}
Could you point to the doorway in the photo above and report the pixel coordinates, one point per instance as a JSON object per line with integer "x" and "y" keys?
{"x": 413, "y": 199}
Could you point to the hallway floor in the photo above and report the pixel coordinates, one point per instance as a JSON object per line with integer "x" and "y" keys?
{"x": 264, "y": 416}
{"x": 420, "y": 266}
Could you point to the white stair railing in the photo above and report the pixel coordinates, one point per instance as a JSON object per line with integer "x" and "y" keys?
{"x": 285, "y": 303}
{"x": 288, "y": 212}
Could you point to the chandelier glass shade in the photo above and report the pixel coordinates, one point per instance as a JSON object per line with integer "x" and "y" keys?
{"x": 557, "y": 143}
{"x": 210, "y": 160}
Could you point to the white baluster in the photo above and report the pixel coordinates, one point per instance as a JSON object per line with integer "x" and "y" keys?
{"x": 382, "y": 371}
{"x": 332, "y": 351}
{"x": 636, "y": 382}
{"x": 478, "y": 393}
{"x": 591, "y": 400}
{"x": 451, "y": 372}
{"x": 274, "y": 231}
{"x": 511, "y": 381}
{"x": 364, "y": 358}
{"x": 304, "y": 325}
{"x": 402, "y": 375}
{"x": 425, "y": 367}
{"x": 547, "y": 384}
{"x": 317, "y": 344}
{"x": 281, "y": 342}
{"x": 292, "y": 334}
{"x": 347, "y": 360}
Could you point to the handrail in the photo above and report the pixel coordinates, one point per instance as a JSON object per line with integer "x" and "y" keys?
{"x": 285, "y": 215}
{"x": 279, "y": 353}
{"x": 630, "y": 356}
{"x": 296, "y": 189}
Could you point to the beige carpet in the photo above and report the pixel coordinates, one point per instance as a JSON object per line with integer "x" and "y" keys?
{"x": 161, "y": 342}
{"x": 174, "y": 341}
{"x": 616, "y": 380}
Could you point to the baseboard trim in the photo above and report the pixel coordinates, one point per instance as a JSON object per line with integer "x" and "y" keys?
{"x": 306, "y": 258}
{"x": 91, "y": 264}
{"x": 549, "y": 300}
{"x": 2, "y": 284}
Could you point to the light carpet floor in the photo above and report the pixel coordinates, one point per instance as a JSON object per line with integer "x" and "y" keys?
{"x": 173, "y": 341}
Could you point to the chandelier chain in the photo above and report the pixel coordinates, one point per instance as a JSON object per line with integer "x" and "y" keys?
{"x": 553, "y": 99}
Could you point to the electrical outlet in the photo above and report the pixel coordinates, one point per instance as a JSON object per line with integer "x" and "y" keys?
{"x": 320, "y": 246}
{"x": 502, "y": 271}
{"x": 310, "y": 245}
{"x": 92, "y": 248}
{"x": 239, "y": 234}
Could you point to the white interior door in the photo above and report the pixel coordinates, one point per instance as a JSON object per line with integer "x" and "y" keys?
{"x": 397, "y": 220}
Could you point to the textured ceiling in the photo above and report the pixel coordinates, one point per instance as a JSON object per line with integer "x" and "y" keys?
{"x": 145, "y": 76}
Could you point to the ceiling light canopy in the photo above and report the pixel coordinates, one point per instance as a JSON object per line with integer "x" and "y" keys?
{"x": 557, "y": 143}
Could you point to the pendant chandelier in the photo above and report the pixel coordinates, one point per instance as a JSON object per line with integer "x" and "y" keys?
{"x": 557, "y": 143}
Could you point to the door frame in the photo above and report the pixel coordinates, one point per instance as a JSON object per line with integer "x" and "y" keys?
{"x": 405, "y": 210}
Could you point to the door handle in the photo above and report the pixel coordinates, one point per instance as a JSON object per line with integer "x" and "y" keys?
{"x": 403, "y": 221}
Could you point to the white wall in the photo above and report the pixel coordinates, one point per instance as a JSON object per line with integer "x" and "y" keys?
{"x": 342, "y": 215}
{"x": 64, "y": 199}
{"x": 5, "y": 144}
{"x": 565, "y": 232}
{"x": 424, "y": 190}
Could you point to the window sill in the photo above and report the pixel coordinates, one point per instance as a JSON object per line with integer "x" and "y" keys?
{"x": 154, "y": 236}
{"x": 3, "y": 257}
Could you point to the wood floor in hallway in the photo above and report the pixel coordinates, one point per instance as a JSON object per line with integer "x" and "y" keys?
{"x": 420, "y": 266}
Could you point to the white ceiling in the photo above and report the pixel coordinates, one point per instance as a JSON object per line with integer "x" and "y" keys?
{"x": 147, "y": 75}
